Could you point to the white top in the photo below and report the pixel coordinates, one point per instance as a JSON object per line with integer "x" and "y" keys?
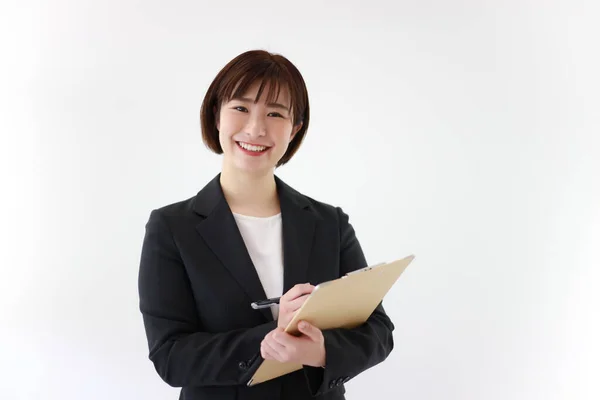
{"x": 263, "y": 239}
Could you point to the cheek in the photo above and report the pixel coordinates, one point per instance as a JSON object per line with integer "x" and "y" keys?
{"x": 281, "y": 131}
{"x": 231, "y": 122}
{"x": 226, "y": 127}
{"x": 225, "y": 134}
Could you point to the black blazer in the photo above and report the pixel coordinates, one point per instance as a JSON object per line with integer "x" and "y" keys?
{"x": 196, "y": 283}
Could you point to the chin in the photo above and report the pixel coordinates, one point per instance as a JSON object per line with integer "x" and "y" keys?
{"x": 252, "y": 168}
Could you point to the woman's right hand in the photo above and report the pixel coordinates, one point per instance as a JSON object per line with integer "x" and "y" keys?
{"x": 291, "y": 302}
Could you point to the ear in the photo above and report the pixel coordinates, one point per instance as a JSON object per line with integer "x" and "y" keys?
{"x": 295, "y": 130}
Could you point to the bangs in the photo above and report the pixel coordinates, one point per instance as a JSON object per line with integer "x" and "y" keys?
{"x": 271, "y": 75}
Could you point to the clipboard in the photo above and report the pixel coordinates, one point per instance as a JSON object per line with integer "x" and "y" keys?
{"x": 346, "y": 302}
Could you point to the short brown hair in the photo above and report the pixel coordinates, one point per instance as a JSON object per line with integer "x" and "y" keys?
{"x": 237, "y": 76}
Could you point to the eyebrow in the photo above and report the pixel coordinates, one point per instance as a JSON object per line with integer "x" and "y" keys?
{"x": 274, "y": 105}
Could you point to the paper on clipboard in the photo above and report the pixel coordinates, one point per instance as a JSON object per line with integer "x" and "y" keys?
{"x": 345, "y": 302}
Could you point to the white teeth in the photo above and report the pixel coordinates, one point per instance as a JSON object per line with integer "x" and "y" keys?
{"x": 251, "y": 147}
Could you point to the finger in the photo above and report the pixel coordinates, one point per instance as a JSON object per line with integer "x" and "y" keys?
{"x": 278, "y": 342}
{"x": 297, "y": 291}
{"x": 274, "y": 331}
{"x": 295, "y": 304}
{"x": 286, "y": 346}
{"x": 286, "y": 340}
{"x": 267, "y": 352}
{"x": 309, "y": 330}
{"x": 271, "y": 351}
{"x": 263, "y": 352}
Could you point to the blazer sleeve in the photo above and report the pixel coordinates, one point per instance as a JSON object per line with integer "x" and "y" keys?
{"x": 182, "y": 353}
{"x": 351, "y": 351}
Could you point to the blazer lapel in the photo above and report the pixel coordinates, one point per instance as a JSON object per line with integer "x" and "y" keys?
{"x": 298, "y": 234}
{"x": 220, "y": 232}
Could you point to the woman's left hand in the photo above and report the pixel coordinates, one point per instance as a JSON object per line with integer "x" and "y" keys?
{"x": 306, "y": 349}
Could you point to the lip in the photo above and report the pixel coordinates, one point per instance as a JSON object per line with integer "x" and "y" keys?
{"x": 252, "y": 153}
{"x": 253, "y": 144}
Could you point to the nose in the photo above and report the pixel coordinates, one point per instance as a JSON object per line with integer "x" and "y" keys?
{"x": 256, "y": 126}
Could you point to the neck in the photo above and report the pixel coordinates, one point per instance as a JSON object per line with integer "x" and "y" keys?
{"x": 250, "y": 193}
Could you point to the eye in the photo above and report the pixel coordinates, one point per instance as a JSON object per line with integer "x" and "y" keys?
{"x": 276, "y": 114}
{"x": 240, "y": 108}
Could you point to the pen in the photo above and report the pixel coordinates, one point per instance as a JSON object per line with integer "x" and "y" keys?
{"x": 265, "y": 303}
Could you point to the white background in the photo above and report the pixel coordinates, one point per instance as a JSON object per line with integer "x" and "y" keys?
{"x": 464, "y": 132}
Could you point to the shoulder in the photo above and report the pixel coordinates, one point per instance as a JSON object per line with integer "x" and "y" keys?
{"x": 175, "y": 218}
{"x": 335, "y": 217}
{"x": 326, "y": 211}
{"x": 164, "y": 219}
{"x": 178, "y": 208}
{"x": 174, "y": 210}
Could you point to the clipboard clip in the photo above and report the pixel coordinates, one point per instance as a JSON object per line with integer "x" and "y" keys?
{"x": 370, "y": 267}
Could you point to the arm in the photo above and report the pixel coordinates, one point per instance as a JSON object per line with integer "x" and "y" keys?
{"x": 182, "y": 353}
{"x": 349, "y": 352}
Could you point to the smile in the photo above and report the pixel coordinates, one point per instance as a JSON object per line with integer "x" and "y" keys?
{"x": 251, "y": 147}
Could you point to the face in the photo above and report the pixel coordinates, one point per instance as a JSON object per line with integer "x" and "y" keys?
{"x": 254, "y": 137}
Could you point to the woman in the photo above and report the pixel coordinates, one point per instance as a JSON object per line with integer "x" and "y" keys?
{"x": 244, "y": 237}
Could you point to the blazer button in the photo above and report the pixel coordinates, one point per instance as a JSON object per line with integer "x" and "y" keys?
{"x": 243, "y": 365}
{"x": 332, "y": 384}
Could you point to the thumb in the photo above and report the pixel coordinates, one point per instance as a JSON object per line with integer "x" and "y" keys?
{"x": 309, "y": 330}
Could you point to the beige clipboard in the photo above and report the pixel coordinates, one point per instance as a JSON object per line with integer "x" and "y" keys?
{"x": 345, "y": 302}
